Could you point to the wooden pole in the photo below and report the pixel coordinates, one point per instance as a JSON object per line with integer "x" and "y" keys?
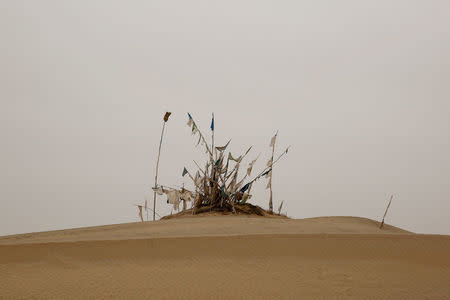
{"x": 389, "y": 204}
{"x": 271, "y": 175}
{"x": 271, "y": 165}
{"x": 166, "y": 118}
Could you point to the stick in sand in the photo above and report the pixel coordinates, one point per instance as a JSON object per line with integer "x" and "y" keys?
{"x": 389, "y": 204}
{"x": 273, "y": 142}
{"x": 166, "y": 118}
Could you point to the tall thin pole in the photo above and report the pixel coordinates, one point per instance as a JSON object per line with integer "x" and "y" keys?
{"x": 389, "y": 204}
{"x": 271, "y": 175}
{"x": 166, "y": 118}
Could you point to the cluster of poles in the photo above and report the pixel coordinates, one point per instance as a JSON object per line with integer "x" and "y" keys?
{"x": 217, "y": 184}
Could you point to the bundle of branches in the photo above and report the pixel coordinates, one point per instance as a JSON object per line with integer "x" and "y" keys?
{"x": 217, "y": 185}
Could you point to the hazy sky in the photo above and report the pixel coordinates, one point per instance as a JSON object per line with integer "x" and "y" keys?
{"x": 360, "y": 89}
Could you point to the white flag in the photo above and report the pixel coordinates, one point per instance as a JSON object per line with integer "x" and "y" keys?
{"x": 272, "y": 141}
{"x": 250, "y": 166}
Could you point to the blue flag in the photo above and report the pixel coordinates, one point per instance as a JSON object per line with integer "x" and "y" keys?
{"x": 212, "y": 123}
{"x": 245, "y": 187}
{"x": 185, "y": 171}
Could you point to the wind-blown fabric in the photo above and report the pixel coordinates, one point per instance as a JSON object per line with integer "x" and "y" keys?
{"x": 173, "y": 197}
{"x": 245, "y": 187}
{"x": 159, "y": 190}
{"x": 187, "y": 196}
{"x": 222, "y": 148}
{"x": 230, "y": 157}
{"x": 166, "y": 116}
{"x": 140, "y": 212}
{"x": 272, "y": 141}
{"x": 250, "y": 166}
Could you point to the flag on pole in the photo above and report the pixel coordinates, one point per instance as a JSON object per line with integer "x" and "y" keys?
{"x": 140, "y": 213}
{"x": 212, "y": 123}
{"x": 230, "y": 157}
{"x": 272, "y": 141}
{"x": 166, "y": 116}
{"x": 185, "y": 171}
{"x": 222, "y": 148}
{"x": 190, "y": 121}
{"x": 250, "y": 166}
{"x": 245, "y": 187}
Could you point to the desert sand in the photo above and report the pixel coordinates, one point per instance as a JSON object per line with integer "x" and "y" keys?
{"x": 241, "y": 257}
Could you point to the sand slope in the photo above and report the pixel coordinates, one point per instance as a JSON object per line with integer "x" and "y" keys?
{"x": 227, "y": 257}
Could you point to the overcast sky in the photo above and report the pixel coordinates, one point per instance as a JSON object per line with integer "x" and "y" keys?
{"x": 360, "y": 89}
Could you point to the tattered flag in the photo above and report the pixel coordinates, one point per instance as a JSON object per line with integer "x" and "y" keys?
{"x": 230, "y": 157}
{"x": 245, "y": 187}
{"x": 250, "y": 166}
{"x": 272, "y": 141}
{"x": 222, "y": 148}
{"x": 140, "y": 213}
{"x": 166, "y": 116}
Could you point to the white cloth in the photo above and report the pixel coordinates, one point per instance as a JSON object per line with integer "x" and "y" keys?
{"x": 173, "y": 197}
{"x": 272, "y": 141}
{"x": 187, "y": 196}
{"x": 250, "y": 166}
{"x": 159, "y": 190}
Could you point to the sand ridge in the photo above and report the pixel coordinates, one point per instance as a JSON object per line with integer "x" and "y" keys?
{"x": 227, "y": 258}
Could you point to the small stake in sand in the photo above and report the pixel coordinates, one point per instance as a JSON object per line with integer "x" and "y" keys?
{"x": 389, "y": 204}
{"x": 166, "y": 118}
{"x": 272, "y": 144}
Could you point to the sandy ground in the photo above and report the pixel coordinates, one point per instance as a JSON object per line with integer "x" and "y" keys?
{"x": 227, "y": 257}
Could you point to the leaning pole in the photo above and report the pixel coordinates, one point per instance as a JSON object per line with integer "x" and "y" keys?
{"x": 165, "y": 119}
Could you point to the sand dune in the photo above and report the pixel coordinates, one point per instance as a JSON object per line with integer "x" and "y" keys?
{"x": 227, "y": 257}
